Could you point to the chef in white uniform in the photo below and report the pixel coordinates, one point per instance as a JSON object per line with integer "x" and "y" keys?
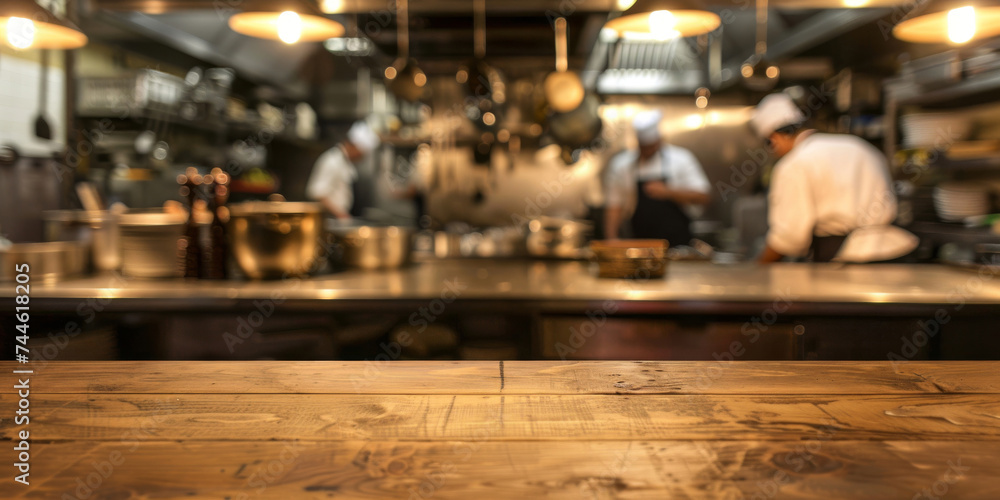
{"x": 656, "y": 189}
{"x": 830, "y": 195}
{"x": 334, "y": 176}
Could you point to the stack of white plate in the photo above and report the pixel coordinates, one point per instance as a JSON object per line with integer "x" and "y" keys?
{"x": 934, "y": 130}
{"x": 955, "y": 201}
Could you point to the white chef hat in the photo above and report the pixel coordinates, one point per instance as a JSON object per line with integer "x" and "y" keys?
{"x": 363, "y": 137}
{"x": 647, "y": 127}
{"x": 775, "y": 111}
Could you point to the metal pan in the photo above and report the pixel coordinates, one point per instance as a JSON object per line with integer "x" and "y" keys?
{"x": 47, "y": 262}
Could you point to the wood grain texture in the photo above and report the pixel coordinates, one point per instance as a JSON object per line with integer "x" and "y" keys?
{"x": 519, "y": 377}
{"x": 522, "y": 470}
{"x": 259, "y": 417}
{"x": 444, "y": 430}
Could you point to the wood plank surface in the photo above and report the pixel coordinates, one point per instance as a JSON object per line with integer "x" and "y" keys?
{"x": 256, "y": 417}
{"x": 513, "y": 377}
{"x": 513, "y": 470}
{"x": 525, "y": 430}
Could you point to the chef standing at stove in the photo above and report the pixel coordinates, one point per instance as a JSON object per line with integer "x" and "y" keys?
{"x": 656, "y": 189}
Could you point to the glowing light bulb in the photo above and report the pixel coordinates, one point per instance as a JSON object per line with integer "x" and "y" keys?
{"x": 289, "y": 27}
{"x": 661, "y": 25}
{"x": 961, "y": 24}
{"x": 854, "y": 4}
{"x": 624, "y": 5}
{"x": 332, "y": 6}
{"x": 20, "y": 32}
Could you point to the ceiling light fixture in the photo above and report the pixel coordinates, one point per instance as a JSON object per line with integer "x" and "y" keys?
{"x": 288, "y": 25}
{"x": 332, "y": 6}
{"x": 663, "y": 19}
{"x": 950, "y": 22}
{"x": 25, "y": 24}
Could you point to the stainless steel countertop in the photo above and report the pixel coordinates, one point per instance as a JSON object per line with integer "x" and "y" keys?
{"x": 569, "y": 281}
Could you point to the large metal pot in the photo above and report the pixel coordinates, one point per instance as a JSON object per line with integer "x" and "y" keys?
{"x": 47, "y": 262}
{"x": 557, "y": 238}
{"x": 276, "y": 239}
{"x": 97, "y": 229}
{"x": 372, "y": 247}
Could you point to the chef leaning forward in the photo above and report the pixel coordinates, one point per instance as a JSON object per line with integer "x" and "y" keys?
{"x": 830, "y": 197}
{"x": 661, "y": 186}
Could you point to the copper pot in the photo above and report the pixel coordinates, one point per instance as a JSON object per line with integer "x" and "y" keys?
{"x": 273, "y": 239}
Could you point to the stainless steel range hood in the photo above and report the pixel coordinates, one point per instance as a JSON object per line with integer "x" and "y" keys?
{"x": 653, "y": 67}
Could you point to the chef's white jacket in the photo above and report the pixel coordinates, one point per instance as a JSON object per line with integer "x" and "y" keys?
{"x": 332, "y": 178}
{"x": 681, "y": 170}
{"x": 834, "y": 185}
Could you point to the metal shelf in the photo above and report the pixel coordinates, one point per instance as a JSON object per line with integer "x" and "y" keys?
{"x": 911, "y": 93}
{"x": 986, "y": 162}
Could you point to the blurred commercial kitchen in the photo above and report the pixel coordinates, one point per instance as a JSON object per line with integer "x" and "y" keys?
{"x": 479, "y": 208}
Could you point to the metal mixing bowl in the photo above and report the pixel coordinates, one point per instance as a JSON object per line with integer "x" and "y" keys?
{"x": 275, "y": 239}
{"x": 373, "y": 247}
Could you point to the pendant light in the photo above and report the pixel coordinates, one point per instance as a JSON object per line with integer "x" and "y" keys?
{"x": 284, "y": 22}
{"x": 25, "y": 24}
{"x": 950, "y": 22}
{"x": 663, "y": 19}
{"x": 758, "y": 73}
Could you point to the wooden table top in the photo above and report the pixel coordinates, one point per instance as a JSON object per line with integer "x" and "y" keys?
{"x": 515, "y": 429}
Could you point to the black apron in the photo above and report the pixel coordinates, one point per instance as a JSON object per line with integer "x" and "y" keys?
{"x": 660, "y": 219}
{"x": 357, "y": 204}
{"x": 825, "y": 248}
